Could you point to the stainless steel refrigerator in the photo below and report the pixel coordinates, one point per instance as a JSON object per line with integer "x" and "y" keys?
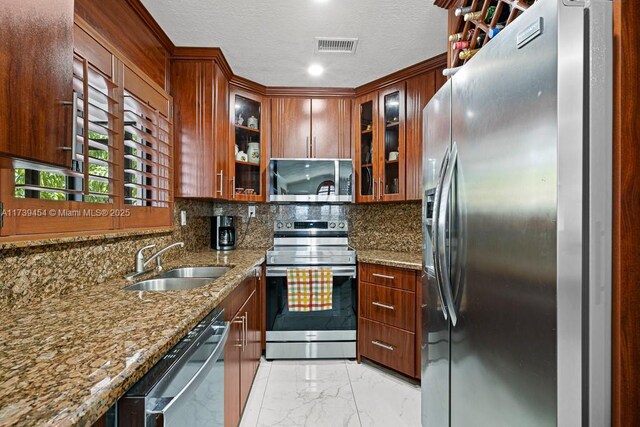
{"x": 517, "y": 227}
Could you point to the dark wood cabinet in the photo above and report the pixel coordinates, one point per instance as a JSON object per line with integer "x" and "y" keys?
{"x": 36, "y": 80}
{"x": 420, "y": 90}
{"x": 389, "y": 317}
{"x": 380, "y": 145}
{"x": 200, "y": 97}
{"x": 291, "y": 128}
{"x": 248, "y": 142}
{"x": 244, "y": 346}
{"x": 311, "y": 128}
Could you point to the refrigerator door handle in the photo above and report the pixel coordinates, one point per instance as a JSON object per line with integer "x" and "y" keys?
{"x": 434, "y": 232}
{"x": 443, "y": 215}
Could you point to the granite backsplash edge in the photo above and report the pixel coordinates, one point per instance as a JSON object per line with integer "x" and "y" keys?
{"x": 36, "y": 273}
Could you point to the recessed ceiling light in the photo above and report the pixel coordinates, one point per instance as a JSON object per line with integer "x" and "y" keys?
{"x": 316, "y": 70}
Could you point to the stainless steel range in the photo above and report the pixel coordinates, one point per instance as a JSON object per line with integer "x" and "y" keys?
{"x": 312, "y": 334}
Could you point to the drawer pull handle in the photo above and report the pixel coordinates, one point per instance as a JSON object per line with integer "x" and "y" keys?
{"x": 379, "y": 304}
{"x": 384, "y": 276}
{"x": 385, "y": 346}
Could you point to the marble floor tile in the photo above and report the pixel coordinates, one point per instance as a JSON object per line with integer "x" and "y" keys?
{"x": 384, "y": 398}
{"x": 254, "y": 403}
{"x": 314, "y": 403}
{"x": 318, "y": 393}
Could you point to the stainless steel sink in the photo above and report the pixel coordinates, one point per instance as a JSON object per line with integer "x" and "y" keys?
{"x": 169, "y": 284}
{"x": 195, "y": 272}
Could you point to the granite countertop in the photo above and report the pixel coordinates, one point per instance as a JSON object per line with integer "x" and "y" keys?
{"x": 409, "y": 260}
{"x": 66, "y": 360}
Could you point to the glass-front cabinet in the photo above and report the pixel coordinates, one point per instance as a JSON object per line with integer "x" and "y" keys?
{"x": 247, "y": 158}
{"x": 366, "y": 148}
{"x": 392, "y": 143}
{"x": 380, "y": 145}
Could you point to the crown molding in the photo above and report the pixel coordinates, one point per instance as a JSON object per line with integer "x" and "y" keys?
{"x": 203, "y": 54}
{"x": 430, "y": 64}
{"x": 249, "y": 85}
{"x": 309, "y": 92}
{"x": 152, "y": 24}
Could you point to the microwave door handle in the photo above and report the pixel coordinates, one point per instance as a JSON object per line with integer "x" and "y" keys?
{"x": 188, "y": 390}
{"x": 443, "y": 222}
{"x": 434, "y": 234}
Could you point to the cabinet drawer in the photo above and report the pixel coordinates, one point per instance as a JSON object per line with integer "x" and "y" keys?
{"x": 387, "y": 345}
{"x": 393, "y": 307}
{"x": 388, "y": 276}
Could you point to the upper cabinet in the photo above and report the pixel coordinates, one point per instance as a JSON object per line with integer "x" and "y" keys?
{"x": 311, "y": 128}
{"x": 248, "y": 157}
{"x": 201, "y": 103}
{"x": 380, "y": 145}
{"x": 36, "y": 80}
{"x": 420, "y": 89}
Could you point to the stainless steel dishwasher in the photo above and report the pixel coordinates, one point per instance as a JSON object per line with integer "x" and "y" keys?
{"x": 186, "y": 387}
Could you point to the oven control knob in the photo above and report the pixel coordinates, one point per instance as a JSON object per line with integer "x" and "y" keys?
{"x": 332, "y": 225}
{"x": 341, "y": 225}
{"x": 289, "y": 225}
{"x": 279, "y": 225}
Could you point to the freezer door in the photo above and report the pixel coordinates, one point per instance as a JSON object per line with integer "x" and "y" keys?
{"x": 435, "y": 326}
{"x": 503, "y": 224}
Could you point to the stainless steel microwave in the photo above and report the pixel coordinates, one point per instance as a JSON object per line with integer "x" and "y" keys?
{"x": 311, "y": 180}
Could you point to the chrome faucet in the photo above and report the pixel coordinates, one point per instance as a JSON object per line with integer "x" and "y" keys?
{"x": 142, "y": 263}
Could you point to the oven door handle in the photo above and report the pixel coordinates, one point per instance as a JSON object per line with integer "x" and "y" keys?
{"x": 336, "y": 270}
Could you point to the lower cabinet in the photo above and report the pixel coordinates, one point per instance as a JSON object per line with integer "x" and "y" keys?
{"x": 244, "y": 346}
{"x": 389, "y": 317}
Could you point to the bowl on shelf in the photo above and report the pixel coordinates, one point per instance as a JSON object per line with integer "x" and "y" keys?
{"x": 239, "y": 190}
{"x": 249, "y": 191}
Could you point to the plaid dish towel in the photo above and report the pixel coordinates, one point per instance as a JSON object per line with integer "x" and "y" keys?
{"x": 310, "y": 289}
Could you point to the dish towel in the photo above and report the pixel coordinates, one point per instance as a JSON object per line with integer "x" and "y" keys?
{"x": 310, "y": 289}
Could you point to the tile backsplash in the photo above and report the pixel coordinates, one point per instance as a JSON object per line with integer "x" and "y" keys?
{"x": 39, "y": 272}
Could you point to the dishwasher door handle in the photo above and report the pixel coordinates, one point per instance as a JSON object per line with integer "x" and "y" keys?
{"x": 197, "y": 378}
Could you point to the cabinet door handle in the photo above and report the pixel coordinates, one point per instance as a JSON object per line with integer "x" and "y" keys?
{"x": 233, "y": 187}
{"x": 382, "y": 345}
{"x": 74, "y": 126}
{"x": 246, "y": 327}
{"x": 379, "y": 188}
{"x": 384, "y": 276}
{"x": 221, "y": 190}
{"x": 379, "y": 304}
{"x": 315, "y": 147}
{"x": 241, "y": 321}
{"x": 308, "y": 147}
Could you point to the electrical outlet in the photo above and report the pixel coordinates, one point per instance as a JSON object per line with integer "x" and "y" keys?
{"x": 252, "y": 211}
{"x": 183, "y": 217}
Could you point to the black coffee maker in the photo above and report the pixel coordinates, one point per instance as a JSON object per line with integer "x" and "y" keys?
{"x": 223, "y": 233}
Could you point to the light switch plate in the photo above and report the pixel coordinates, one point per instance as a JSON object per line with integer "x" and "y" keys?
{"x": 183, "y": 217}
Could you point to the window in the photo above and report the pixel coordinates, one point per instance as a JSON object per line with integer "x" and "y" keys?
{"x": 121, "y": 169}
{"x": 146, "y": 155}
{"x": 90, "y": 178}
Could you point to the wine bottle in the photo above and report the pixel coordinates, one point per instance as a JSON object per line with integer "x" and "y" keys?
{"x": 458, "y": 37}
{"x": 495, "y": 30}
{"x": 490, "y": 12}
{"x": 467, "y": 53}
{"x": 480, "y": 39}
{"x": 472, "y": 15}
{"x": 461, "y": 45}
{"x": 462, "y": 10}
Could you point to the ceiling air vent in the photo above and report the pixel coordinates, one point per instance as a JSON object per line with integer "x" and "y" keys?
{"x": 336, "y": 45}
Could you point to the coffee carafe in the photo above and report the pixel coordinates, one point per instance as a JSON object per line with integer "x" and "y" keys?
{"x": 223, "y": 233}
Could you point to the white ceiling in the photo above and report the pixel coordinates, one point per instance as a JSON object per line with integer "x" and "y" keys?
{"x": 272, "y": 41}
